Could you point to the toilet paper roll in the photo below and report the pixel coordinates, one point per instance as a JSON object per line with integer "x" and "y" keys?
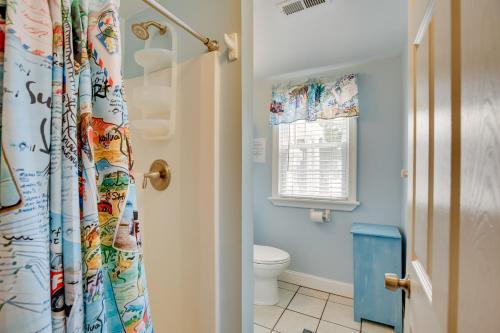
{"x": 316, "y": 216}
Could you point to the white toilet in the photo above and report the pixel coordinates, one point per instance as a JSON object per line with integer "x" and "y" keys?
{"x": 268, "y": 264}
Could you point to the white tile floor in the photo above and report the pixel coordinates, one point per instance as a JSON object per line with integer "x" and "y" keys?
{"x": 301, "y": 308}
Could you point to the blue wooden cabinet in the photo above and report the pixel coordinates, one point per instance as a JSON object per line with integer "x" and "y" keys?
{"x": 377, "y": 250}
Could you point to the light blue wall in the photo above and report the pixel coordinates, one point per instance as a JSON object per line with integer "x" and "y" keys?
{"x": 325, "y": 250}
{"x": 213, "y": 18}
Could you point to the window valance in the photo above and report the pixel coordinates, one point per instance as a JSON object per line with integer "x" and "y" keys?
{"x": 315, "y": 99}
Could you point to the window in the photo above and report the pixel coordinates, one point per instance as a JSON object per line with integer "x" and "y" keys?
{"x": 315, "y": 164}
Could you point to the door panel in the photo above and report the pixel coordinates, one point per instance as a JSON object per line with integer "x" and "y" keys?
{"x": 442, "y": 203}
{"x": 454, "y": 189}
{"x": 455, "y": 230}
{"x": 423, "y": 265}
{"x": 422, "y": 225}
{"x": 479, "y": 263}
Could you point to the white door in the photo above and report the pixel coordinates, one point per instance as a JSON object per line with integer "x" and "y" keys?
{"x": 453, "y": 234}
{"x": 429, "y": 177}
{"x": 478, "y": 265}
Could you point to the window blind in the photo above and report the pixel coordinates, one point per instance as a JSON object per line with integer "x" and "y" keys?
{"x": 313, "y": 159}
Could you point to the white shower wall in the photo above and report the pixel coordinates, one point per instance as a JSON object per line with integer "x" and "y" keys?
{"x": 181, "y": 230}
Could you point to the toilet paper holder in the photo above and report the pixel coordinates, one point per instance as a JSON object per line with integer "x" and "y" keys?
{"x": 320, "y": 216}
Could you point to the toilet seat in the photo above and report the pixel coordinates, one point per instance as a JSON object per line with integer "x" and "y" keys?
{"x": 267, "y": 255}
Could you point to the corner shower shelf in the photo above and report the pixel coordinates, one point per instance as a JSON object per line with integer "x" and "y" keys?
{"x": 156, "y": 98}
{"x": 153, "y": 100}
{"x": 153, "y": 129}
{"x": 154, "y": 59}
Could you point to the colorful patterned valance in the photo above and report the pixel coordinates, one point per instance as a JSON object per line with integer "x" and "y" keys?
{"x": 315, "y": 99}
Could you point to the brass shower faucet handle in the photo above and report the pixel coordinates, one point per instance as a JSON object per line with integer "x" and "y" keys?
{"x": 159, "y": 176}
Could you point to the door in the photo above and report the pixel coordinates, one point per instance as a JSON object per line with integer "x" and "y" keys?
{"x": 430, "y": 182}
{"x": 478, "y": 264}
{"x": 453, "y": 231}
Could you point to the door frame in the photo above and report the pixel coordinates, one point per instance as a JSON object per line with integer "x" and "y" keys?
{"x": 247, "y": 9}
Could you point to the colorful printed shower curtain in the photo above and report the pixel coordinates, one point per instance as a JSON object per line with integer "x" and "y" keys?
{"x": 70, "y": 242}
{"x": 315, "y": 99}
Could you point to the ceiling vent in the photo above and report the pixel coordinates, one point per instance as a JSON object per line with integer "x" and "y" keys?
{"x": 289, "y": 7}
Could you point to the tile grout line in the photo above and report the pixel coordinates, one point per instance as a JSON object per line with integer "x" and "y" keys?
{"x": 295, "y": 293}
{"x": 304, "y": 314}
{"x": 332, "y": 322}
{"x": 324, "y": 307}
{"x": 286, "y": 308}
{"x": 321, "y": 291}
{"x": 294, "y": 311}
{"x": 313, "y": 297}
{"x": 322, "y": 313}
{"x": 255, "y": 324}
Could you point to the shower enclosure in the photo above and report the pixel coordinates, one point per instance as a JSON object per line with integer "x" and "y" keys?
{"x": 180, "y": 223}
{"x": 174, "y": 116}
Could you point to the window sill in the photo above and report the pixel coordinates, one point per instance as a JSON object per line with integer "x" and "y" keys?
{"x": 347, "y": 206}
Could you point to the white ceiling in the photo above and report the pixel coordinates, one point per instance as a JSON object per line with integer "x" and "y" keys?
{"x": 346, "y": 31}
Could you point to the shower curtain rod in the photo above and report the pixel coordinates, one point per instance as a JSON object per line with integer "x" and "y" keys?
{"x": 212, "y": 45}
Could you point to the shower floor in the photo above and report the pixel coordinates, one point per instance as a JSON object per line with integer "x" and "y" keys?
{"x": 302, "y": 309}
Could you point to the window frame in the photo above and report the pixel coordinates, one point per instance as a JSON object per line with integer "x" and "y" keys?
{"x": 348, "y": 204}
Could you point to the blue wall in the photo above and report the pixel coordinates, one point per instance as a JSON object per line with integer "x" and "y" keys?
{"x": 325, "y": 250}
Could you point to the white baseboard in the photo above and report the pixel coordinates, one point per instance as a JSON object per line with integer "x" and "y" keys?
{"x": 320, "y": 283}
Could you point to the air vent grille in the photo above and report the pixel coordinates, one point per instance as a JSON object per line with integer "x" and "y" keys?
{"x": 289, "y": 7}
{"x": 312, "y": 3}
{"x": 292, "y": 8}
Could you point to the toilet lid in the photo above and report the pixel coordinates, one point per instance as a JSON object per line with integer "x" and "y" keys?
{"x": 269, "y": 255}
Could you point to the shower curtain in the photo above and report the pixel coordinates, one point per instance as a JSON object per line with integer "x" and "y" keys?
{"x": 70, "y": 238}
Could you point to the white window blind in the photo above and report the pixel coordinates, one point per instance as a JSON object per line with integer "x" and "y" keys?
{"x": 314, "y": 159}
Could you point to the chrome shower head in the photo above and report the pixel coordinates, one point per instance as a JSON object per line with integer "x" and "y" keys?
{"x": 142, "y": 32}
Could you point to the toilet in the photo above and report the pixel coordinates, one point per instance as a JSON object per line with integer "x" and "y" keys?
{"x": 268, "y": 263}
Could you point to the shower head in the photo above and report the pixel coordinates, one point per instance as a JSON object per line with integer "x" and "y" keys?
{"x": 142, "y": 32}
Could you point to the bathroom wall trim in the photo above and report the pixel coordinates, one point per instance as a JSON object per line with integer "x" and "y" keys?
{"x": 316, "y": 282}
{"x": 346, "y": 206}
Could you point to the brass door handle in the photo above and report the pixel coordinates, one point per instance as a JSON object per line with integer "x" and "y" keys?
{"x": 393, "y": 283}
